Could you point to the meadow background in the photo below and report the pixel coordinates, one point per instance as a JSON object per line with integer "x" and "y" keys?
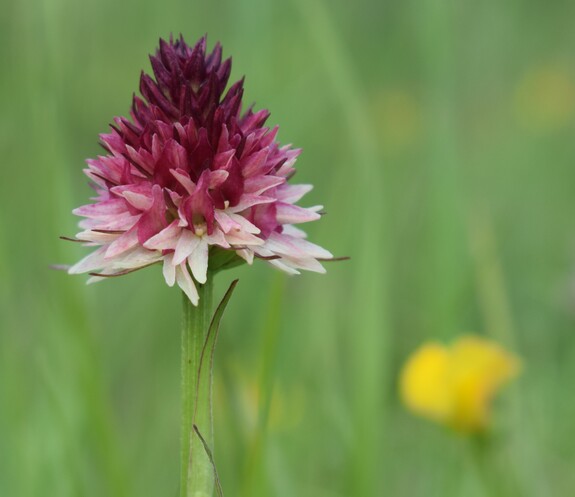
{"x": 441, "y": 138}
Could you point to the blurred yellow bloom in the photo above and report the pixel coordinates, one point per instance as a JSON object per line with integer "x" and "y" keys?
{"x": 454, "y": 384}
{"x": 398, "y": 119}
{"x": 287, "y": 403}
{"x": 545, "y": 98}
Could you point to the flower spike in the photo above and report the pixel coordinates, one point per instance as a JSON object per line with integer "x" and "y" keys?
{"x": 190, "y": 175}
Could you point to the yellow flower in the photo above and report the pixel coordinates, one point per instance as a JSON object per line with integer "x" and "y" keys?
{"x": 545, "y": 98}
{"x": 398, "y": 116}
{"x": 454, "y": 384}
{"x": 287, "y": 404}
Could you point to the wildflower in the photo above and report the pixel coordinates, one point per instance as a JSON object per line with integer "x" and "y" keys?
{"x": 454, "y": 385}
{"x": 192, "y": 181}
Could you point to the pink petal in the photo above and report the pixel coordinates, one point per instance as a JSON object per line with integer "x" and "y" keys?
{"x": 290, "y": 194}
{"x": 96, "y": 178}
{"x": 249, "y": 200}
{"x": 178, "y": 156}
{"x": 244, "y": 224}
{"x": 121, "y": 222}
{"x": 165, "y": 239}
{"x": 102, "y": 209}
{"x": 154, "y": 219}
{"x": 218, "y": 177}
{"x": 292, "y": 154}
{"x": 293, "y": 214}
{"x": 138, "y": 200}
{"x": 184, "y": 178}
{"x": 255, "y": 163}
{"x": 222, "y": 160}
{"x": 225, "y": 221}
{"x": 242, "y": 238}
{"x": 123, "y": 243}
{"x": 139, "y": 159}
{"x": 200, "y": 202}
{"x": 259, "y": 184}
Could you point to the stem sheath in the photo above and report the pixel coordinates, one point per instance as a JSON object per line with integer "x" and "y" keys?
{"x": 196, "y": 473}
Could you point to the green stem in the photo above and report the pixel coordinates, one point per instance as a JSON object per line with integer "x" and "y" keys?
{"x": 196, "y": 473}
{"x": 498, "y": 481}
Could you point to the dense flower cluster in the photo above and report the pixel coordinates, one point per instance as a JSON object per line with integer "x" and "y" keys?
{"x": 191, "y": 180}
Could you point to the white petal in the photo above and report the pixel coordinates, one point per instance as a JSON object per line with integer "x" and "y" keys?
{"x": 238, "y": 237}
{"x": 284, "y": 267}
{"x": 309, "y": 264}
{"x": 289, "y": 229}
{"x": 247, "y": 255}
{"x": 262, "y": 251}
{"x": 92, "y": 261}
{"x": 187, "y": 243}
{"x": 97, "y": 279}
{"x": 97, "y": 237}
{"x": 169, "y": 270}
{"x": 182, "y": 221}
{"x": 198, "y": 261}
{"x": 135, "y": 258}
{"x": 295, "y": 247}
{"x": 186, "y": 283}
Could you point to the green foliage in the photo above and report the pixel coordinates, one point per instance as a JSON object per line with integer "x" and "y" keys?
{"x": 439, "y": 136}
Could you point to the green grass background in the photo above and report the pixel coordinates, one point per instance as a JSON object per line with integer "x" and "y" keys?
{"x": 441, "y": 138}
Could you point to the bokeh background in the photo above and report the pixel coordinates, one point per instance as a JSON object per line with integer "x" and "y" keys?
{"x": 440, "y": 137}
